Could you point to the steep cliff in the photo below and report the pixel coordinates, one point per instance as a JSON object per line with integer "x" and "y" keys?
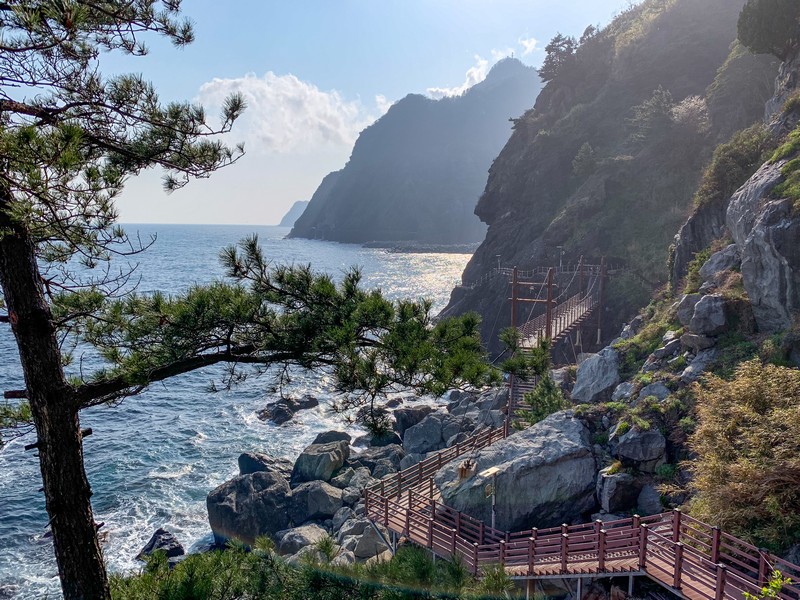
{"x": 293, "y": 214}
{"x": 608, "y": 161}
{"x": 417, "y": 172}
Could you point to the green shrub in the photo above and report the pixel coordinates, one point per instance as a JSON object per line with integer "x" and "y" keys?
{"x": 747, "y": 472}
{"x": 733, "y": 163}
{"x": 666, "y": 472}
{"x": 693, "y": 279}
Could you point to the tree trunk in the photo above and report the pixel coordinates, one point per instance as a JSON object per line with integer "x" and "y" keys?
{"x": 55, "y": 414}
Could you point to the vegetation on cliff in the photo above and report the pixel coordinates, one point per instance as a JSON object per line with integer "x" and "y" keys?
{"x": 650, "y": 95}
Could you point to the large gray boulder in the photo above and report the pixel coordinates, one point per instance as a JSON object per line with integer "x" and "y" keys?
{"x": 698, "y": 366}
{"x": 657, "y": 389}
{"x": 645, "y": 450}
{"x": 314, "y": 501}
{"x": 253, "y": 462}
{"x": 281, "y": 411}
{"x": 409, "y": 416}
{"x": 320, "y": 462}
{"x": 710, "y": 315}
{"x": 617, "y": 491}
{"x": 597, "y": 377}
{"x": 686, "y": 308}
{"x": 162, "y": 541}
{"x": 771, "y": 266}
{"x": 249, "y": 506}
{"x": 326, "y": 437}
{"x": 300, "y": 537}
{"x": 743, "y": 206}
{"x": 545, "y": 477}
{"x": 719, "y": 262}
{"x": 385, "y": 458}
{"x": 433, "y": 432}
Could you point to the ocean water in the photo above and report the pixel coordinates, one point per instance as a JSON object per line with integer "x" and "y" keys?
{"x": 153, "y": 459}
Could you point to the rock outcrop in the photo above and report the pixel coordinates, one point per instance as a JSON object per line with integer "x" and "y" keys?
{"x": 546, "y": 476}
{"x": 249, "y": 506}
{"x": 320, "y": 461}
{"x": 597, "y": 377}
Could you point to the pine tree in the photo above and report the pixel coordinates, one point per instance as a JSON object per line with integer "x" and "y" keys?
{"x": 69, "y": 138}
{"x": 770, "y": 27}
{"x": 560, "y": 53}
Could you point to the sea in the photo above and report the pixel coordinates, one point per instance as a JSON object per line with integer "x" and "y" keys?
{"x": 153, "y": 459}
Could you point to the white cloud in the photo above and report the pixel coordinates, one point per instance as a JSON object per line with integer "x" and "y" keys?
{"x": 529, "y": 45}
{"x": 475, "y": 74}
{"x": 383, "y": 104}
{"x": 287, "y": 115}
{"x": 498, "y": 55}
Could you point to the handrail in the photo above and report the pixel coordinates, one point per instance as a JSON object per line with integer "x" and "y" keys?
{"x": 674, "y": 549}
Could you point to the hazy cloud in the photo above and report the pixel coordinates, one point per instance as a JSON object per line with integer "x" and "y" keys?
{"x": 285, "y": 114}
{"x": 529, "y": 45}
{"x": 475, "y": 74}
{"x": 498, "y": 55}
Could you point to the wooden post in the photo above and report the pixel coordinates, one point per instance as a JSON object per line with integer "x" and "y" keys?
{"x": 763, "y": 566}
{"x": 458, "y": 523}
{"x": 514, "y": 282}
{"x": 475, "y": 559}
{"x": 430, "y": 486}
{"x": 676, "y": 525}
{"x": 482, "y": 532}
{"x": 600, "y": 298}
{"x": 430, "y": 533}
{"x": 601, "y": 551}
{"x": 453, "y": 545}
{"x": 722, "y": 576}
{"x": 715, "y": 542}
{"x": 564, "y": 551}
{"x": 386, "y": 513}
{"x": 408, "y": 517}
{"x": 399, "y": 482}
{"x": 642, "y": 546}
{"x": 549, "y": 310}
{"x": 531, "y": 555}
{"x": 678, "y": 565}
{"x": 502, "y": 553}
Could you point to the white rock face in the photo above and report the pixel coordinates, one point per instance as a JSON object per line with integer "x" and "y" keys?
{"x": 743, "y": 206}
{"x": 546, "y": 477}
{"x": 597, "y": 377}
{"x": 771, "y": 266}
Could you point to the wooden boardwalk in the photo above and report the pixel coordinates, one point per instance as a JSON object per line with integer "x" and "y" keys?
{"x": 687, "y": 557}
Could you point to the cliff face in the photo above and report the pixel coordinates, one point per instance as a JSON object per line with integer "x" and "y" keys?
{"x": 608, "y": 161}
{"x": 417, "y": 172}
{"x": 293, "y": 214}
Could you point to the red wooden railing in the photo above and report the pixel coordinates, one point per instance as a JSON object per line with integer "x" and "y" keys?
{"x": 672, "y": 548}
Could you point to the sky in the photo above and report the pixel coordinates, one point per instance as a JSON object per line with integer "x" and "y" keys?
{"x": 314, "y": 74}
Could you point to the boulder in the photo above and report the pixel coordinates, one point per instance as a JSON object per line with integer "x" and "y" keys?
{"x": 409, "y": 460}
{"x": 771, "y": 266}
{"x": 351, "y": 496}
{"x": 370, "y": 544}
{"x": 314, "y": 500}
{"x": 697, "y": 342}
{"x": 668, "y": 349}
{"x": 326, "y": 437}
{"x": 249, "y": 506}
{"x": 352, "y": 527}
{"x": 710, "y": 316}
{"x": 649, "y": 501}
{"x": 686, "y": 308}
{"x": 645, "y": 450}
{"x": 617, "y": 491}
{"x": 409, "y": 416}
{"x": 341, "y": 517}
{"x": 343, "y": 558}
{"x": 545, "y": 477}
{"x": 342, "y": 480}
{"x": 743, "y": 205}
{"x": 597, "y": 377}
{"x": 719, "y": 262}
{"x": 698, "y": 365}
{"x": 320, "y": 461}
{"x": 300, "y": 537}
{"x": 623, "y": 391}
{"x": 657, "y": 389}
{"x": 386, "y": 456}
{"x": 387, "y": 439}
{"x": 281, "y": 411}
{"x": 253, "y": 462}
{"x": 163, "y": 541}
{"x": 362, "y": 479}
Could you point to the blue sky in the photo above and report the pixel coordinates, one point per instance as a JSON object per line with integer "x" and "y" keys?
{"x": 315, "y": 73}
